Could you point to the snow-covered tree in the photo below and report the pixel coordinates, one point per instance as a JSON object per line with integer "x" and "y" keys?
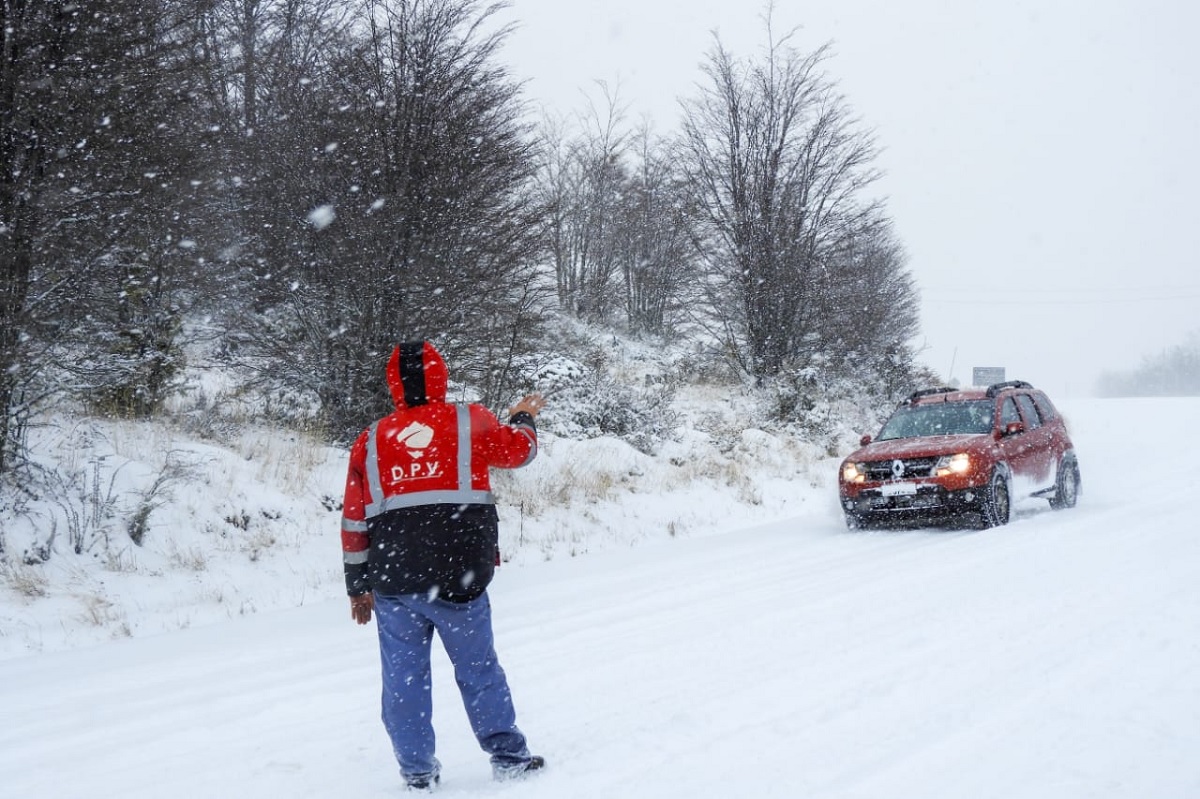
{"x": 95, "y": 179}
{"x": 1174, "y": 372}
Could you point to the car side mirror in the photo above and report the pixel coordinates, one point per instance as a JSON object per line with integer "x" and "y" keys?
{"x": 1013, "y": 428}
{"x": 862, "y": 442}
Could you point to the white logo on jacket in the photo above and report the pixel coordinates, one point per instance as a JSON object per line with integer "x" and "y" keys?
{"x": 415, "y": 438}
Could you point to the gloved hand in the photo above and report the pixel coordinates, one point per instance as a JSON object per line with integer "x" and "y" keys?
{"x": 361, "y": 607}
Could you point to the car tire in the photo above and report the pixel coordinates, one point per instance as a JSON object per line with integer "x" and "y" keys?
{"x": 996, "y": 509}
{"x": 854, "y": 521}
{"x": 1066, "y": 487}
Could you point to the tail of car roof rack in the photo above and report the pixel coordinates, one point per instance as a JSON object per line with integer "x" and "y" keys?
{"x": 996, "y": 388}
{"x": 926, "y": 392}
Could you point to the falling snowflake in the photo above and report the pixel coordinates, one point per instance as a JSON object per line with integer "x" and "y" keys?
{"x": 321, "y": 217}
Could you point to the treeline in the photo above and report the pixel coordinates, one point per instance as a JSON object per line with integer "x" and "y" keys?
{"x": 307, "y": 182}
{"x": 1173, "y": 373}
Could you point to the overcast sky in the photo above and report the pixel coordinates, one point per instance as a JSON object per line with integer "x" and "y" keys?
{"x": 1041, "y": 159}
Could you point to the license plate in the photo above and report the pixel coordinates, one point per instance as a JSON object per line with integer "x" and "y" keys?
{"x": 898, "y": 489}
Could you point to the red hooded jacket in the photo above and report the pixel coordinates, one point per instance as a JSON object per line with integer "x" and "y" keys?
{"x": 418, "y": 514}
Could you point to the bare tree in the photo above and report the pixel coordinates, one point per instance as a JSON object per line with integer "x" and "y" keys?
{"x": 582, "y": 185}
{"x": 409, "y": 211}
{"x": 870, "y": 311}
{"x": 776, "y": 169}
{"x": 272, "y": 90}
{"x": 656, "y": 250}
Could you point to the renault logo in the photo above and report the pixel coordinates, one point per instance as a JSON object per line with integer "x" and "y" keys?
{"x": 897, "y": 469}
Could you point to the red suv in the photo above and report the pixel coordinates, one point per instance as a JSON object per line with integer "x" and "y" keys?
{"x": 949, "y": 453}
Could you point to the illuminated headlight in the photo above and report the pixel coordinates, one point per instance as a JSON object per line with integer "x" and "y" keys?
{"x": 952, "y": 464}
{"x": 853, "y": 473}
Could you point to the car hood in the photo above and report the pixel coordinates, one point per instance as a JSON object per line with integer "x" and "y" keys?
{"x": 920, "y": 447}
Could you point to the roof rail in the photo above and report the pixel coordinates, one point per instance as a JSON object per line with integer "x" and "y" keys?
{"x": 916, "y": 395}
{"x": 996, "y": 388}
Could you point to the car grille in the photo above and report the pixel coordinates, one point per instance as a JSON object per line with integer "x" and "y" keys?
{"x": 913, "y": 467}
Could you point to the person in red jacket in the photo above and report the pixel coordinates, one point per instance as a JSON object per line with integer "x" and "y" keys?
{"x": 419, "y": 545}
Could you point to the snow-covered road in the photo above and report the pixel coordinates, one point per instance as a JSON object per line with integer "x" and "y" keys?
{"x": 1057, "y": 657}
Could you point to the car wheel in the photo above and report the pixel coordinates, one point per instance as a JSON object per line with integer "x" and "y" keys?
{"x": 1066, "y": 490}
{"x": 854, "y": 521}
{"x": 997, "y": 505}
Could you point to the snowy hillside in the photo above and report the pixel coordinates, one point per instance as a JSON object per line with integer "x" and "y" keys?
{"x": 1055, "y": 657}
{"x": 208, "y": 515}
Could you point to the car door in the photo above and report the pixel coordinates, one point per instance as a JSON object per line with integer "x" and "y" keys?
{"x": 1018, "y": 448}
{"x": 1040, "y": 452}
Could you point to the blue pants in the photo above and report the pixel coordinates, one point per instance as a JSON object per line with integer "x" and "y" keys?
{"x": 406, "y": 625}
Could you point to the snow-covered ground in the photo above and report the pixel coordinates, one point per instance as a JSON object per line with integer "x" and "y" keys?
{"x": 730, "y": 639}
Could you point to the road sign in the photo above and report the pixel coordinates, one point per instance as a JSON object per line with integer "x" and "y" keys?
{"x": 987, "y": 375}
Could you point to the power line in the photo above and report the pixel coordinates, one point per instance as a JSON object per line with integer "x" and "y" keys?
{"x": 1189, "y": 290}
{"x": 983, "y": 300}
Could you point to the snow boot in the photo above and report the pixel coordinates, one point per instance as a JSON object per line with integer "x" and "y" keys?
{"x": 516, "y": 771}
{"x": 423, "y": 783}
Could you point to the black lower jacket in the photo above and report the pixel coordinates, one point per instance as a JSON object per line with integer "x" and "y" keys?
{"x": 444, "y": 551}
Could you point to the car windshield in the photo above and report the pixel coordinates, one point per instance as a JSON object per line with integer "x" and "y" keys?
{"x": 939, "y": 419}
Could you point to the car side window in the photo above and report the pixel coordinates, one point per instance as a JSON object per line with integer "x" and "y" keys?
{"x": 1045, "y": 407}
{"x": 1008, "y": 413}
{"x": 1028, "y": 410}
